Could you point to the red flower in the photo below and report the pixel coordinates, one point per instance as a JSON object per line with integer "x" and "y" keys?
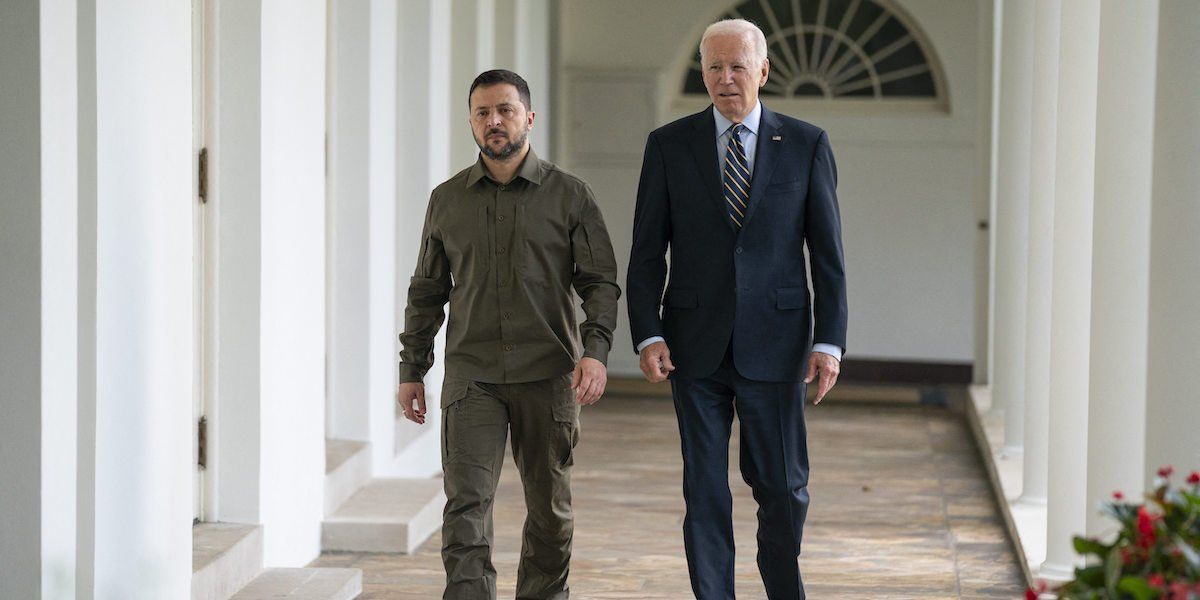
{"x": 1194, "y": 478}
{"x": 1034, "y": 594}
{"x": 1166, "y": 471}
{"x": 1118, "y": 495}
{"x": 1145, "y": 527}
{"x": 1156, "y": 580}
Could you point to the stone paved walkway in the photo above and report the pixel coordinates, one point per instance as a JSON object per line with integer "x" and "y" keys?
{"x": 901, "y": 509}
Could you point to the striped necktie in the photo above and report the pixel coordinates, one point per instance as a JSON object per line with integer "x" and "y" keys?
{"x": 737, "y": 177}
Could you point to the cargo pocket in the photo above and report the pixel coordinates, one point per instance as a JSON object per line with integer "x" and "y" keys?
{"x": 454, "y": 390}
{"x": 564, "y": 434}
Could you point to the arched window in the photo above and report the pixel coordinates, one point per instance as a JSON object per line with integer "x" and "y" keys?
{"x": 834, "y": 49}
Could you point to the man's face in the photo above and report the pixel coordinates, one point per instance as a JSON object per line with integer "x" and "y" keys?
{"x": 732, "y": 76}
{"x": 499, "y": 120}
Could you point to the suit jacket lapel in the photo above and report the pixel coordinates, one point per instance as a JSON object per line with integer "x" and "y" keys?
{"x": 704, "y": 151}
{"x": 766, "y": 155}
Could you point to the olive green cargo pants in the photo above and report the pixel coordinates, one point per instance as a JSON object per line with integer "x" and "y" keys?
{"x": 476, "y": 419}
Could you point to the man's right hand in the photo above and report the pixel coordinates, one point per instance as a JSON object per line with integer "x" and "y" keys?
{"x": 412, "y": 399}
{"x": 656, "y": 362}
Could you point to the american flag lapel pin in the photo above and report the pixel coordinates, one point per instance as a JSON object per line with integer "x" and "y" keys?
{"x": 777, "y": 138}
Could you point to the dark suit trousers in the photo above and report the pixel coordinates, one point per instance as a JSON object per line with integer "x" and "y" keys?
{"x": 774, "y": 462}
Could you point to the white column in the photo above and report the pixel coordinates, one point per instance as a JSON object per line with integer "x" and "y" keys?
{"x": 235, "y": 419}
{"x": 522, "y": 38}
{"x": 38, "y": 265}
{"x": 349, "y": 252}
{"x": 504, "y": 26}
{"x": 472, "y": 51}
{"x": 135, "y": 230}
{"x": 1121, "y": 254}
{"x": 293, "y": 284}
{"x": 269, "y": 191}
{"x": 382, "y": 191}
{"x": 60, "y": 294}
{"x": 534, "y": 56}
{"x": 422, "y": 162}
{"x": 1070, "y": 308}
{"x": 1043, "y": 143}
{"x": 1012, "y": 218}
{"x": 1172, "y": 408}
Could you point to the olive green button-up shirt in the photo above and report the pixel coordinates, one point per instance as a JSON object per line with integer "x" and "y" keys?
{"x": 506, "y": 257}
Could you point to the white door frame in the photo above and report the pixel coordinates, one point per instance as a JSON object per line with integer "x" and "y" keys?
{"x": 204, "y": 262}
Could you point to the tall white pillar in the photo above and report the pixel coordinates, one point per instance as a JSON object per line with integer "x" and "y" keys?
{"x": 1012, "y": 218}
{"x": 422, "y": 162}
{"x": 472, "y": 51}
{"x": 38, "y": 265}
{"x": 1040, "y": 280}
{"x": 534, "y": 55}
{"x": 1172, "y": 409}
{"x": 349, "y": 244}
{"x": 382, "y": 199}
{"x": 135, "y": 300}
{"x": 522, "y": 34}
{"x": 1121, "y": 254}
{"x": 362, "y": 201}
{"x": 269, "y": 190}
{"x": 1070, "y": 308}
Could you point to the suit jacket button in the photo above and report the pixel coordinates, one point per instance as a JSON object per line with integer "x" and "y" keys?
{"x": 739, "y": 250}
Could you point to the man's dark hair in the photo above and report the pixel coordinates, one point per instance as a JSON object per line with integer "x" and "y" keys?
{"x": 496, "y": 76}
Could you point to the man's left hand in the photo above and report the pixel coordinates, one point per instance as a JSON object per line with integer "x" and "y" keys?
{"x": 589, "y": 380}
{"x": 828, "y": 367}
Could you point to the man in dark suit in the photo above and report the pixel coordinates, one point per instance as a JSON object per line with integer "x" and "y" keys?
{"x": 735, "y": 192}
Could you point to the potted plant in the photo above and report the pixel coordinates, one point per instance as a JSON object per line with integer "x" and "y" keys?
{"x": 1156, "y": 553}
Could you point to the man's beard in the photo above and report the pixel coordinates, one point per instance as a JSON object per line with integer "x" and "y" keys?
{"x": 506, "y": 151}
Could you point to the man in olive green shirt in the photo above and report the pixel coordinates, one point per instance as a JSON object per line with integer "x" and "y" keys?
{"x": 504, "y": 242}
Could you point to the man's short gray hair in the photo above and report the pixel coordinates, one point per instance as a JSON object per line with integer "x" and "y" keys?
{"x": 738, "y": 27}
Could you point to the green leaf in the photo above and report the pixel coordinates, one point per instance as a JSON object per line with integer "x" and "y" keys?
{"x": 1090, "y": 576}
{"x": 1137, "y": 587}
{"x": 1112, "y": 572}
{"x": 1087, "y": 546}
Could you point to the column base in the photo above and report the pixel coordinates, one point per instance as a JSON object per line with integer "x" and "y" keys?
{"x": 1025, "y": 501}
{"x": 1056, "y": 573}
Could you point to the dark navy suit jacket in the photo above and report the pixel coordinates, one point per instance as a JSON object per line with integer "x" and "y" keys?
{"x": 748, "y": 287}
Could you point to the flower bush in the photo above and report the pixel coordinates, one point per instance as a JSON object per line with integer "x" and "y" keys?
{"x": 1156, "y": 554}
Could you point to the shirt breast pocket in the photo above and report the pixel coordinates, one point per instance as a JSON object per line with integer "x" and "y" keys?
{"x": 465, "y": 238}
{"x": 544, "y": 246}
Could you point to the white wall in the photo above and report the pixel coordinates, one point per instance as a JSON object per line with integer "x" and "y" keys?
{"x": 910, "y": 181}
{"x": 143, "y": 300}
